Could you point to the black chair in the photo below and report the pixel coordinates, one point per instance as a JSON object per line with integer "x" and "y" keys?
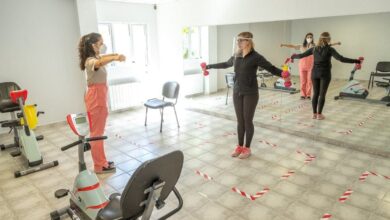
{"x": 382, "y": 70}
{"x": 387, "y": 97}
{"x": 148, "y": 187}
{"x": 170, "y": 91}
{"x": 229, "y": 78}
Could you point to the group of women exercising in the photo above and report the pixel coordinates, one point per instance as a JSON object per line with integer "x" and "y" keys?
{"x": 315, "y": 64}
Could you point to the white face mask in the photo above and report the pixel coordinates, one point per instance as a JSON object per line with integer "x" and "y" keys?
{"x": 103, "y": 49}
{"x": 309, "y": 40}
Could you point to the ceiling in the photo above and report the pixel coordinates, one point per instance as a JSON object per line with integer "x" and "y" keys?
{"x": 144, "y": 1}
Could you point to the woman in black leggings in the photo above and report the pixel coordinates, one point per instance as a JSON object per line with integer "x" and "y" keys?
{"x": 245, "y": 93}
{"x": 321, "y": 73}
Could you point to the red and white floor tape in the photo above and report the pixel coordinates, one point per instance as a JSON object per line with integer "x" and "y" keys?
{"x": 268, "y": 143}
{"x": 345, "y": 195}
{"x": 204, "y": 175}
{"x": 288, "y": 174}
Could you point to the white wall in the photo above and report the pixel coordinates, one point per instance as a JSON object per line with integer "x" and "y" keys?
{"x": 171, "y": 17}
{"x": 218, "y": 12}
{"x": 360, "y": 35}
{"x": 39, "y": 52}
{"x": 86, "y": 11}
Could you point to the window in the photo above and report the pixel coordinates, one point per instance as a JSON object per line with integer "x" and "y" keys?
{"x": 124, "y": 78}
{"x": 192, "y": 43}
{"x": 127, "y": 39}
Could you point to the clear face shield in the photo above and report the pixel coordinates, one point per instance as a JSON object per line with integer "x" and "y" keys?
{"x": 239, "y": 44}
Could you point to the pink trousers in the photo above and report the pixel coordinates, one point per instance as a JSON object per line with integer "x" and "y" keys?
{"x": 305, "y": 68}
{"x": 96, "y": 104}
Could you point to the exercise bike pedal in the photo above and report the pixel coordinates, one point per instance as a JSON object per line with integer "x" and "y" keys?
{"x": 39, "y": 137}
{"x": 16, "y": 153}
{"x": 55, "y": 215}
{"x": 61, "y": 193}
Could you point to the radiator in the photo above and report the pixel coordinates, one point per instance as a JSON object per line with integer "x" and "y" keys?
{"x": 125, "y": 95}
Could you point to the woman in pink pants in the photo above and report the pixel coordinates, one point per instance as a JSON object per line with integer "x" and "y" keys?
{"x": 93, "y": 63}
{"x": 305, "y": 64}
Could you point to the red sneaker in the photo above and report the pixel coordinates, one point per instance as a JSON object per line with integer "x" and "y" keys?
{"x": 237, "y": 151}
{"x": 320, "y": 117}
{"x": 246, "y": 152}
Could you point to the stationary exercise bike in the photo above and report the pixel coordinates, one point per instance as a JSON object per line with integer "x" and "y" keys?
{"x": 280, "y": 84}
{"x": 354, "y": 90}
{"x": 22, "y": 123}
{"x": 149, "y": 186}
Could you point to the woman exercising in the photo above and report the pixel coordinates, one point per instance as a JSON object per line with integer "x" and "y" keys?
{"x": 305, "y": 64}
{"x": 321, "y": 77}
{"x": 245, "y": 93}
{"x": 95, "y": 99}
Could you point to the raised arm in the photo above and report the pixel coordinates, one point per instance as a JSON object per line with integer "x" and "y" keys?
{"x": 265, "y": 64}
{"x": 292, "y": 46}
{"x": 222, "y": 65}
{"x": 335, "y": 44}
{"x": 304, "y": 54}
{"x": 340, "y": 58}
{"x": 104, "y": 60}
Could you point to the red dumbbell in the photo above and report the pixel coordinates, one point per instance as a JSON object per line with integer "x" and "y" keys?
{"x": 204, "y": 69}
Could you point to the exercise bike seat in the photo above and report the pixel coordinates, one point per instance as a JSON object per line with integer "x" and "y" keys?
{"x": 166, "y": 169}
{"x": 6, "y": 104}
{"x": 112, "y": 209}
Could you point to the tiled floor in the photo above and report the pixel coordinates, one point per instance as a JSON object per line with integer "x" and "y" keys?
{"x": 206, "y": 137}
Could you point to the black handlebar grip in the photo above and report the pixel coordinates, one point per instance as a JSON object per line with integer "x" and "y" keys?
{"x": 96, "y": 138}
{"x": 64, "y": 148}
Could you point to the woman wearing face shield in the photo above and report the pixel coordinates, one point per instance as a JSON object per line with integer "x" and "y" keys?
{"x": 305, "y": 64}
{"x": 90, "y": 47}
{"x": 245, "y": 93}
{"x": 321, "y": 77}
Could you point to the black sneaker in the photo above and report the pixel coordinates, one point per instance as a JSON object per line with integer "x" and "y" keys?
{"x": 308, "y": 97}
{"x": 302, "y": 97}
{"x": 110, "y": 169}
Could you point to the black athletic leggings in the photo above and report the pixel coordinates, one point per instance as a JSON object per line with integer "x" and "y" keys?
{"x": 245, "y": 107}
{"x": 320, "y": 87}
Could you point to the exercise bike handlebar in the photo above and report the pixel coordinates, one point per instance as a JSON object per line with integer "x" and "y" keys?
{"x": 96, "y": 138}
{"x": 64, "y": 148}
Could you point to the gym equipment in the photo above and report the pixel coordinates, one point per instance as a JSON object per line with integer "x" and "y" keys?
{"x": 22, "y": 124}
{"x": 354, "y": 90}
{"x": 149, "y": 186}
{"x": 282, "y": 84}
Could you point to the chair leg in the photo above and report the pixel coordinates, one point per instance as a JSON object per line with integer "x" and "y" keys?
{"x": 177, "y": 120}
{"x": 146, "y": 115}
{"x": 369, "y": 82}
{"x": 227, "y": 95}
{"x": 162, "y": 116}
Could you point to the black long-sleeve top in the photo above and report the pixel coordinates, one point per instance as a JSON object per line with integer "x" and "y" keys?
{"x": 322, "y": 57}
{"x": 245, "y": 69}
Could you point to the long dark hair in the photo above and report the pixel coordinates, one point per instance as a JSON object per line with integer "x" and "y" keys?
{"x": 305, "y": 42}
{"x": 86, "y": 49}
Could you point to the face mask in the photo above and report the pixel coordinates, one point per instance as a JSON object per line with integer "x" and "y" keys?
{"x": 103, "y": 49}
{"x": 309, "y": 40}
